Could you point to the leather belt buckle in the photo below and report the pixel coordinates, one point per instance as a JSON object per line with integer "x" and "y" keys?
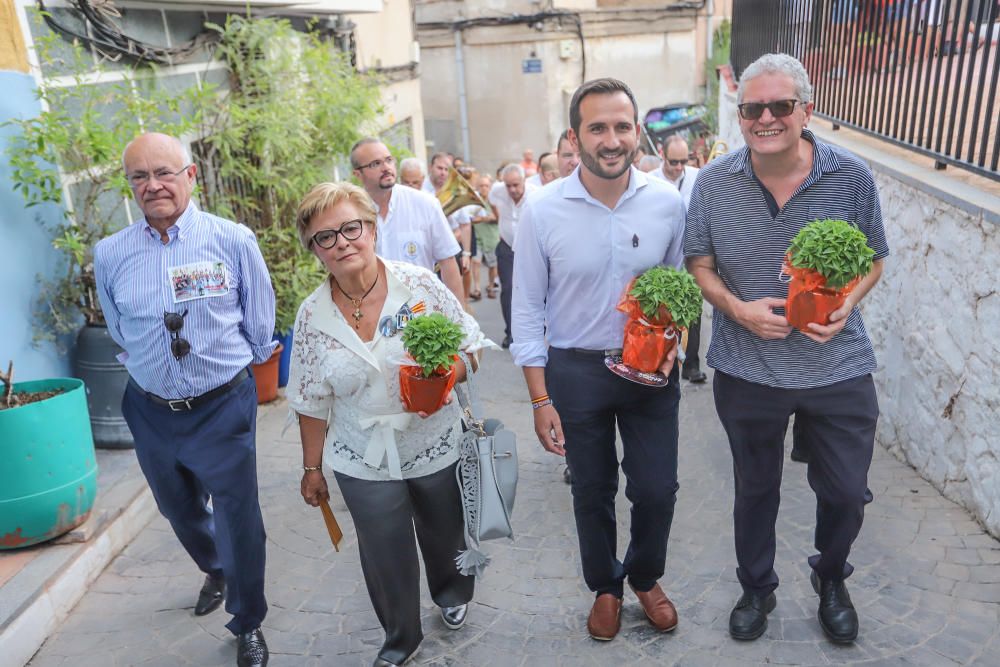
{"x": 179, "y": 405}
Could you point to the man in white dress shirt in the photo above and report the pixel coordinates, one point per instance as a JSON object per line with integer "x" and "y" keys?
{"x": 411, "y": 225}
{"x": 567, "y": 155}
{"x": 437, "y": 172}
{"x": 676, "y": 171}
{"x": 579, "y": 242}
{"x": 507, "y": 198}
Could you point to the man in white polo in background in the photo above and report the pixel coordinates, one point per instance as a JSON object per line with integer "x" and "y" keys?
{"x": 411, "y": 225}
{"x": 507, "y": 198}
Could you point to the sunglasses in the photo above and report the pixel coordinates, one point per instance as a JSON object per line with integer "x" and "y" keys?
{"x": 174, "y": 322}
{"x": 327, "y": 238}
{"x": 677, "y": 163}
{"x": 778, "y": 108}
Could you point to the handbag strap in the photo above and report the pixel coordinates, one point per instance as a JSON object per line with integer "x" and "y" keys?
{"x": 469, "y": 401}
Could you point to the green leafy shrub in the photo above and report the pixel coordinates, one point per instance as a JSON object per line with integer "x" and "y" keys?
{"x": 835, "y": 249}
{"x": 666, "y": 286}
{"x": 433, "y": 341}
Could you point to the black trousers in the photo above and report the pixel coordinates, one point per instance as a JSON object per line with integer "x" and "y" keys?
{"x": 838, "y": 422}
{"x": 590, "y": 401}
{"x": 505, "y": 269}
{"x": 385, "y": 514}
{"x": 693, "y": 360}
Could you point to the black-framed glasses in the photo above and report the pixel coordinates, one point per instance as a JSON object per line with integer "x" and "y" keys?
{"x": 327, "y": 238}
{"x": 778, "y": 108}
{"x": 677, "y": 163}
{"x": 375, "y": 164}
{"x": 139, "y": 178}
{"x": 174, "y": 322}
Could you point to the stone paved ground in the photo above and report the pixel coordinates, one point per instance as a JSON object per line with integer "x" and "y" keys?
{"x": 927, "y": 585}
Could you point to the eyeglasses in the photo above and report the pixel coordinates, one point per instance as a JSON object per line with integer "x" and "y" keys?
{"x": 139, "y": 178}
{"x": 327, "y": 238}
{"x": 174, "y": 322}
{"x": 778, "y": 108}
{"x": 677, "y": 163}
{"x": 375, "y": 164}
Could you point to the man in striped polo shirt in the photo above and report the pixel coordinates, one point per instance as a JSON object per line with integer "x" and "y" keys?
{"x": 186, "y": 294}
{"x": 746, "y": 208}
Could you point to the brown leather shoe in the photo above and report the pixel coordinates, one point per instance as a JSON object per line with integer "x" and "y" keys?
{"x": 659, "y": 609}
{"x": 605, "y": 617}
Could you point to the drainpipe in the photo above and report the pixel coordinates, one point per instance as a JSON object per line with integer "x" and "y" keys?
{"x": 463, "y": 110}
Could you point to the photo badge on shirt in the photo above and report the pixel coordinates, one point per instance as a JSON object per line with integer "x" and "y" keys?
{"x": 198, "y": 280}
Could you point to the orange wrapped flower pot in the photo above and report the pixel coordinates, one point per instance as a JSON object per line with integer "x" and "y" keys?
{"x": 424, "y": 394}
{"x": 809, "y": 300}
{"x": 645, "y": 348}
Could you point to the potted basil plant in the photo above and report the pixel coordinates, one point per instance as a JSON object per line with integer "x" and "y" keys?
{"x": 660, "y": 303}
{"x": 825, "y": 262}
{"x": 432, "y": 341}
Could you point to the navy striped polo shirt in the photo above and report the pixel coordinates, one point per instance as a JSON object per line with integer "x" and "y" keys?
{"x": 731, "y": 219}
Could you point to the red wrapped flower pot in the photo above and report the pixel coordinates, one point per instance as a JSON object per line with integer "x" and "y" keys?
{"x": 425, "y": 394}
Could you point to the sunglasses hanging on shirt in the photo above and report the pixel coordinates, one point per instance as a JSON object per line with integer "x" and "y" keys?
{"x": 174, "y": 322}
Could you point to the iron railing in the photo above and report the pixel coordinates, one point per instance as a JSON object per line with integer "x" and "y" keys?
{"x": 919, "y": 73}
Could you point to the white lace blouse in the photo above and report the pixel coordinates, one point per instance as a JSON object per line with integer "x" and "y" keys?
{"x": 354, "y": 386}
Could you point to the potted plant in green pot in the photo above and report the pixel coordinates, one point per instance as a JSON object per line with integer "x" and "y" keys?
{"x": 432, "y": 341}
{"x": 48, "y": 479}
{"x": 82, "y": 131}
{"x": 825, "y": 262}
{"x": 660, "y": 303}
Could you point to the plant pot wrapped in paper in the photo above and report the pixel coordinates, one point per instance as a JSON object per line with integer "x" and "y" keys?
{"x": 826, "y": 261}
{"x": 432, "y": 342}
{"x": 660, "y": 303}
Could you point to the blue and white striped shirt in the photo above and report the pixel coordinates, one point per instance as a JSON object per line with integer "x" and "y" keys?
{"x": 731, "y": 220}
{"x": 213, "y": 269}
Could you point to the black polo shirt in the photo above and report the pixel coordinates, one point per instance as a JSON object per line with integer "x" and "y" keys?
{"x": 731, "y": 218}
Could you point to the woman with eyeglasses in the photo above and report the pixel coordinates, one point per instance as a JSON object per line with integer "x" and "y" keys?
{"x": 396, "y": 470}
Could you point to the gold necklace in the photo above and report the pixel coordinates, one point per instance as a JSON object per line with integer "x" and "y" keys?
{"x": 356, "y": 302}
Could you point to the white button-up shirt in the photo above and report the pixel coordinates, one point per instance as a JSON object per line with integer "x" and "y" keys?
{"x": 415, "y": 230}
{"x": 509, "y": 211}
{"x": 685, "y": 183}
{"x": 575, "y": 256}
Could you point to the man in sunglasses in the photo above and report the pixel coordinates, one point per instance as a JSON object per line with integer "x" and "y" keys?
{"x": 676, "y": 171}
{"x": 745, "y": 209}
{"x": 187, "y": 296}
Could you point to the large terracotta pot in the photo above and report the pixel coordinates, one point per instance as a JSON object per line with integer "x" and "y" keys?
{"x": 266, "y": 377}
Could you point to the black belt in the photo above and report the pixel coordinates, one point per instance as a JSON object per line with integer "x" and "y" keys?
{"x": 185, "y": 404}
{"x": 602, "y": 353}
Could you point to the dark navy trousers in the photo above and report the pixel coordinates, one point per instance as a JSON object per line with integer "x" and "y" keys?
{"x": 837, "y": 422}
{"x": 590, "y": 401}
{"x": 209, "y": 452}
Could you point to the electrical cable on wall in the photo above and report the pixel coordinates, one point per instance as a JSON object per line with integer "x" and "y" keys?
{"x": 107, "y": 38}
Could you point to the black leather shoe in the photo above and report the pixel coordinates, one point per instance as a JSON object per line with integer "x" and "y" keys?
{"x": 836, "y": 612}
{"x": 252, "y": 651}
{"x": 505, "y": 343}
{"x": 567, "y": 476}
{"x": 211, "y": 596}
{"x": 693, "y": 374}
{"x": 748, "y": 619}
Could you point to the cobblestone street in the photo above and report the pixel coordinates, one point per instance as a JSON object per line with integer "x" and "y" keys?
{"x": 927, "y": 585}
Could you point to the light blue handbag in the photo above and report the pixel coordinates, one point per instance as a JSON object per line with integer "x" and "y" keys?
{"x": 487, "y": 479}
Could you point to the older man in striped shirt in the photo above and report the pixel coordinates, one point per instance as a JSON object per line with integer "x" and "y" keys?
{"x": 746, "y": 208}
{"x": 186, "y": 294}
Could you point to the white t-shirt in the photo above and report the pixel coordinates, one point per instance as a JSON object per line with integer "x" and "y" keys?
{"x": 685, "y": 183}
{"x": 415, "y": 229}
{"x": 508, "y": 212}
{"x": 534, "y": 179}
